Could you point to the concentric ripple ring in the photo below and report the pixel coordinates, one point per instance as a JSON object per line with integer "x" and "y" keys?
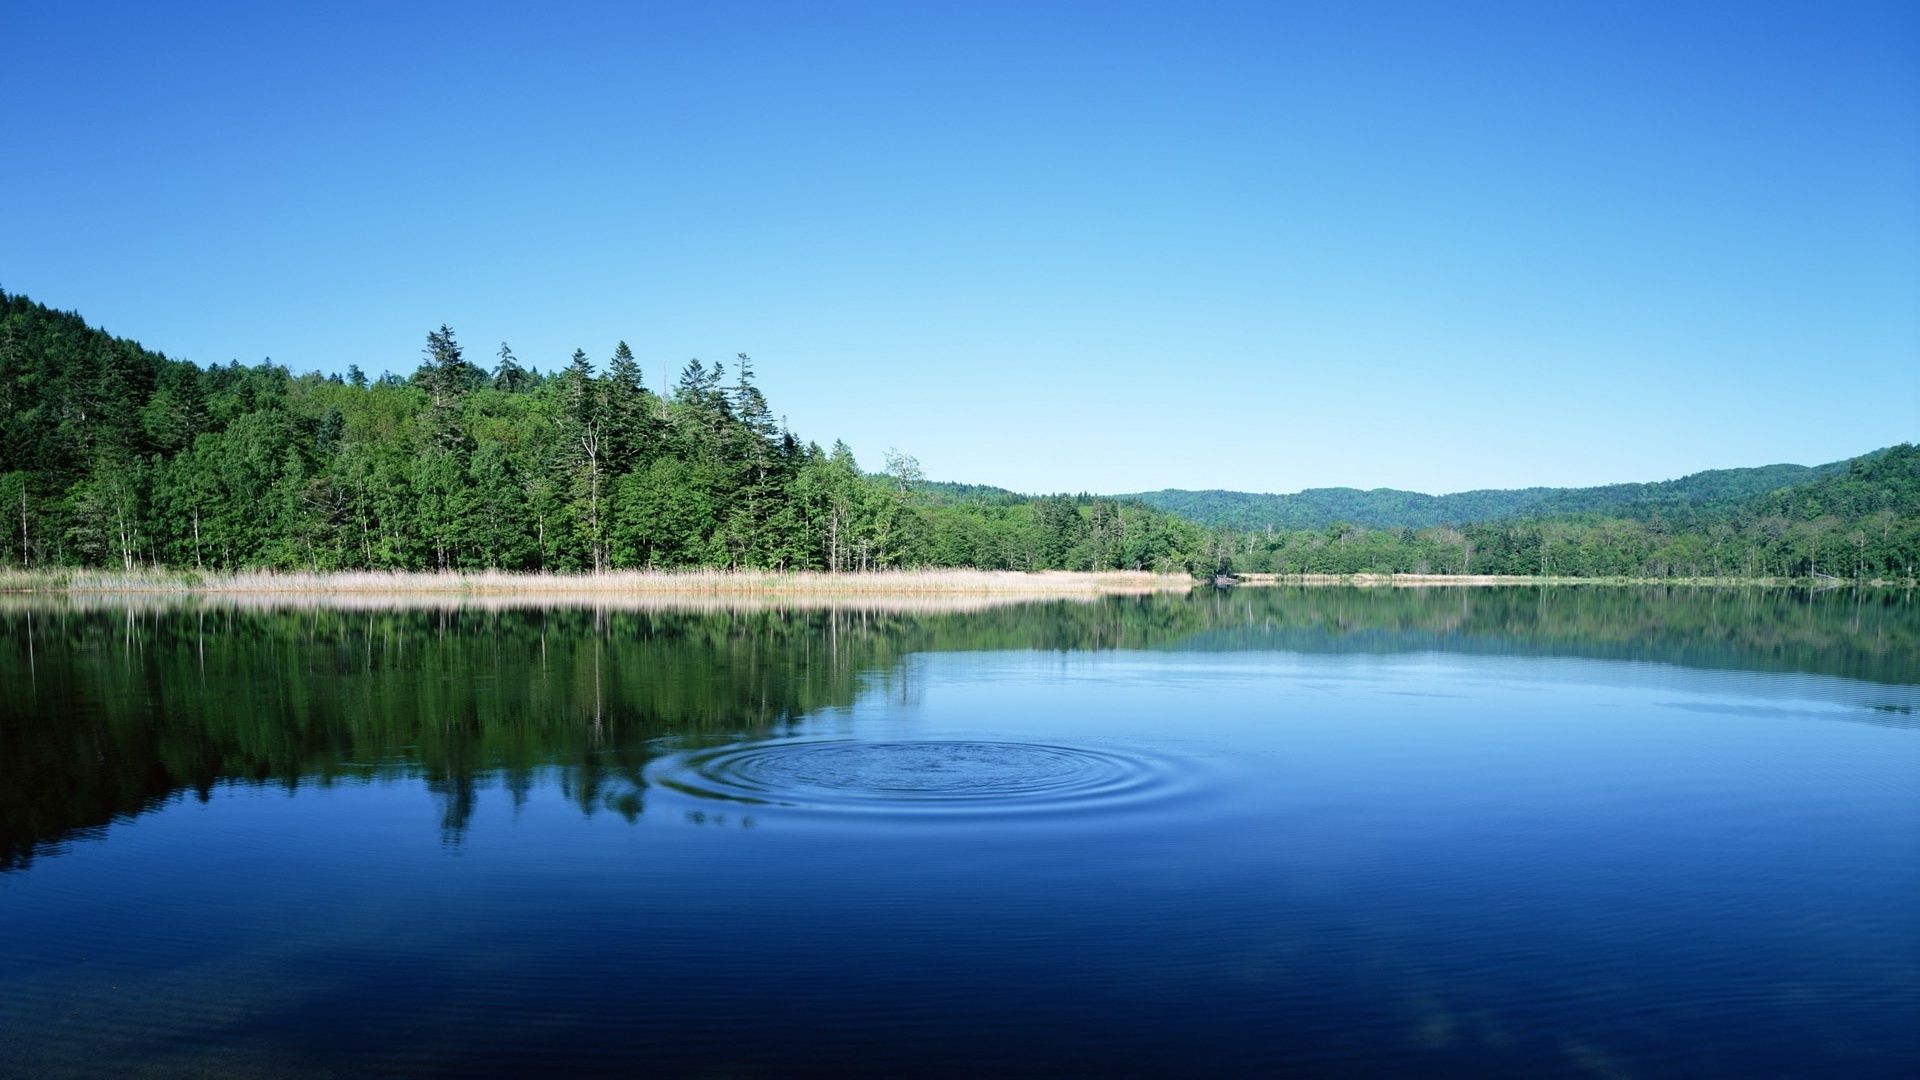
{"x": 914, "y": 776}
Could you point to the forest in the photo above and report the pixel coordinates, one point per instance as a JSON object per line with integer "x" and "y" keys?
{"x": 1387, "y": 508}
{"x": 112, "y": 455}
{"x": 1859, "y": 524}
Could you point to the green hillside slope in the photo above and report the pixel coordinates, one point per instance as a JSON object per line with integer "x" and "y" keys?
{"x": 1386, "y": 508}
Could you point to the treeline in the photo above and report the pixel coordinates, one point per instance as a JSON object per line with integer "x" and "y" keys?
{"x": 1387, "y": 508}
{"x": 113, "y": 455}
{"x": 1859, "y": 523}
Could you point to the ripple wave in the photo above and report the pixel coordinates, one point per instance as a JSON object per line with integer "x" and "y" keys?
{"x": 923, "y": 776}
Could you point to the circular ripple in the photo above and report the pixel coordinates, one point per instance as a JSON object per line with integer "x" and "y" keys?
{"x": 913, "y": 776}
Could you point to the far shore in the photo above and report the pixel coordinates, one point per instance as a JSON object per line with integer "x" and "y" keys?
{"x": 1421, "y": 580}
{"x": 997, "y": 585}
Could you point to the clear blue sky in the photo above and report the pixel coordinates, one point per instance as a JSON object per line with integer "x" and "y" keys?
{"x": 1049, "y": 246}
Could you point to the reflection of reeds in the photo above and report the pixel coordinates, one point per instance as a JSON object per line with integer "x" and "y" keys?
{"x": 904, "y": 591}
{"x": 699, "y": 604}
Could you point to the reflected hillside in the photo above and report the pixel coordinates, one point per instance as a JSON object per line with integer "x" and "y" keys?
{"x": 115, "y": 708}
{"x": 112, "y": 709}
{"x": 1867, "y": 634}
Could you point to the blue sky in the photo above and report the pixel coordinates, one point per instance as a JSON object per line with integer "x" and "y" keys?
{"x": 1103, "y": 247}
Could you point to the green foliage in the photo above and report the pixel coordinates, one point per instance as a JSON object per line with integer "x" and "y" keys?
{"x": 1386, "y": 508}
{"x": 1861, "y": 522}
{"x": 117, "y": 456}
{"x": 112, "y": 455}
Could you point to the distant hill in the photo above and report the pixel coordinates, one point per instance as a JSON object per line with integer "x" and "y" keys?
{"x": 1386, "y": 508}
{"x": 1875, "y": 488}
{"x": 1859, "y": 522}
{"x": 948, "y": 493}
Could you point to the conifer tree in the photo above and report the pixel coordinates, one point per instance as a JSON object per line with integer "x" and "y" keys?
{"x": 508, "y": 375}
{"x": 628, "y": 417}
{"x": 446, "y": 376}
{"x": 583, "y": 430}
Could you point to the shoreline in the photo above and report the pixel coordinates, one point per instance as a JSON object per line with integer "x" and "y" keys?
{"x": 616, "y": 584}
{"x": 1483, "y": 580}
{"x": 799, "y": 585}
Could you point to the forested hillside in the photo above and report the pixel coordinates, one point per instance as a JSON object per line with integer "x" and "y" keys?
{"x": 113, "y": 455}
{"x": 1386, "y": 508}
{"x": 1862, "y": 522}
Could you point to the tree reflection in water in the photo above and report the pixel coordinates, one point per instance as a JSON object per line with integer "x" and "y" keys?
{"x": 113, "y": 707}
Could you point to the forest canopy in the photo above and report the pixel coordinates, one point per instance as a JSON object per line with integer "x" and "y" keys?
{"x": 1387, "y": 508}
{"x": 114, "y": 455}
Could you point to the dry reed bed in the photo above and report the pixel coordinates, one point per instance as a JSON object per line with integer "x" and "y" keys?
{"x": 596, "y": 588}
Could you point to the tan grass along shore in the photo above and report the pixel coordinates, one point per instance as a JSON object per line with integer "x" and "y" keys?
{"x": 626, "y": 583}
{"x": 694, "y": 585}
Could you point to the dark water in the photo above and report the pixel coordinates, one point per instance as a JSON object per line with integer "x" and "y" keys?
{"x": 1492, "y": 832}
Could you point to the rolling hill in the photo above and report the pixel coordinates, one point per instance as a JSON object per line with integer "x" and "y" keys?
{"x": 1387, "y": 508}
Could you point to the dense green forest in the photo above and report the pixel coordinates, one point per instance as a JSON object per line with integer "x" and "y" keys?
{"x": 1858, "y": 518}
{"x": 113, "y": 455}
{"x": 1859, "y": 522}
{"x": 1387, "y": 508}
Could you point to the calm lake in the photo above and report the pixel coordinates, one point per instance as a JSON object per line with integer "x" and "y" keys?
{"x": 1575, "y": 831}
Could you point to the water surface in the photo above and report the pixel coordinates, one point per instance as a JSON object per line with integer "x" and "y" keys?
{"x": 1515, "y": 831}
